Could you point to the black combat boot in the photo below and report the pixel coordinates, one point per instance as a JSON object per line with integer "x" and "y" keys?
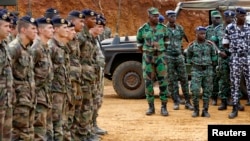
{"x": 176, "y": 102}
{"x": 205, "y": 109}
{"x": 188, "y": 104}
{"x": 97, "y": 129}
{"x": 151, "y": 109}
{"x": 164, "y": 111}
{"x": 234, "y": 112}
{"x": 214, "y": 100}
{"x": 240, "y": 107}
{"x": 223, "y": 105}
{"x": 196, "y": 111}
{"x": 248, "y": 102}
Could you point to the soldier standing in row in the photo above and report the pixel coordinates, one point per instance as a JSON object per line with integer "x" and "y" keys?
{"x": 201, "y": 54}
{"x": 152, "y": 41}
{"x": 88, "y": 78}
{"x": 24, "y": 83}
{"x": 6, "y": 81}
{"x": 175, "y": 62}
{"x": 43, "y": 75}
{"x": 60, "y": 83}
{"x": 236, "y": 38}
{"x": 100, "y": 64}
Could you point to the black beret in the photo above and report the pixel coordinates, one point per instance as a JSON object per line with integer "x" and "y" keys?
{"x": 43, "y": 20}
{"x": 89, "y": 12}
{"x": 76, "y": 13}
{"x": 59, "y": 20}
{"x": 240, "y": 10}
{"x": 70, "y": 24}
{"x": 51, "y": 12}
{"x": 201, "y": 28}
{"x": 28, "y": 19}
{"x": 4, "y": 17}
{"x": 100, "y": 21}
{"x": 13, "y": 20}
{"x": 100, "y": 16}
{"x": 229, "y": 13}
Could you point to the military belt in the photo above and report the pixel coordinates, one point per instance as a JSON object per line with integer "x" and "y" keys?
{"x": 201, "y": 67}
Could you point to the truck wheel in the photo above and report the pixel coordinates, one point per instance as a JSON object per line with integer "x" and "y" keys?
{"x": 128, "y": 81}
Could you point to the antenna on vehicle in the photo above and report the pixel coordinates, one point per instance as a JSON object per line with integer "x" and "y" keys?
{"x": 118, "y": 17}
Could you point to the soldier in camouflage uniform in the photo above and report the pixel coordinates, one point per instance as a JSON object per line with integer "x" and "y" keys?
{"x": 43, "y": 76}
{"x": 201, "y": 54}
{"x": 6, "y": 81}
{"x": 105, "y": 34}
{"x": 61, "y": 84}
{"x": 215, "y": 31}
{"x": 51, "y": 13}
{"x": 13, "y": 32}
{"x": 236, "y": 38}
{"x": 88, "y": 78}
{"x": 100, "y": 63}
{"x": 24, "y": 83}
{"x": 175, "y": 62}
{"x": 76, "y": 18}
{"x": 152, "y": 41}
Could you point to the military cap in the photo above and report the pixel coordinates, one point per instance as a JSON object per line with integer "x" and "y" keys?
{"x": 153, "y": 11}
{"x": 13, "y": 20}
{"x": 201, "y": 28}
{"x": 44, "y": 20}
{"x": 4, "y": 17}
{"x": 100, "y": 16}
{"x": 59, "y": 20}
{"x": 51, "y": 12}
{"x": 28, "y": 19}
{"x": 240, "y": 10}
{"x": 89, "y": 12}
{"x": 170, "y": 12}
{"x": 76, "y": 13}
{"x": 5, "y": 11}
{"x": 229, "y": 13}
{"x": 100, "y": 21}
{"x": 161, "y": 18}
{"x": 70, "y": 24}
{"x": 215, "y": 14}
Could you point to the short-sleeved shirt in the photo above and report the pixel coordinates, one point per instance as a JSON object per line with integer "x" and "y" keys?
{"x": 146, "y": 36}
{"x": 238, "y": 39}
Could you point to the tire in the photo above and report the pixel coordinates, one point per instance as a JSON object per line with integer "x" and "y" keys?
{"x": 128, "y": 81}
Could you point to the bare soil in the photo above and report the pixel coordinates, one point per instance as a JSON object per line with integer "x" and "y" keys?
{"x": 125, "y": 120}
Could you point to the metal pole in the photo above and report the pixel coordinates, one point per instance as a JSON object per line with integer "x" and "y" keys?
{"x": 118, "y": 17}
{"x": 29, "y": 8}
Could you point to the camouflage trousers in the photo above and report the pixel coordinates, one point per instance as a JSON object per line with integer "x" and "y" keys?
{"x": 40, "y": 123}
{"x": 154, "y": 68}
{"x": 216, "y": 79}
{"x": 224, "y": 75}
{"x": 84, "y": 113}
{"x": 177, "y": 71}
{"x": 49, "y": 126}
{"x": 59, "y": 106}
{"x": 239, "y": 65}
{"x": 201, "y": 79}
{"x": 6, "y": 113}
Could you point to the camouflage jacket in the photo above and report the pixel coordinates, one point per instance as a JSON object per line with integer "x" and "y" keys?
{"x": 201, "y": 53}
{"x": 100, "y": 58}
{"x": 87, "y": 56}
{"x": 152, "y": 39}
{"x": 215, "y": 34}
{"x": 175, "y": 36}
{"x": 61, "y": 67}
{"x": 6, "y": 77}
{"x": 42, "y": 69}
{"x": 22, "y": 67}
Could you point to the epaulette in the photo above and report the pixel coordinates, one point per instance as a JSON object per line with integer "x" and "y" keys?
{"x": 142, "y": 26}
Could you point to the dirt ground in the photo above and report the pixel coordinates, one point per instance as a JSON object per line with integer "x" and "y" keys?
{"x": 125, "y": 120}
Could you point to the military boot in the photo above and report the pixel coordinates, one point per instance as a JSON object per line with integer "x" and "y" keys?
{"x": 196, "y": 111}
{"x": 179, "y": 100}
{"x": 223, "y": 105}
{"x": 151, "y": 109}
{"x": 234, "y": 112}
{"x": 176, "y": 102}
{"x": 164, "y": 111}
{"x": 240, "y": 107}
{"x": 97, "y": 129}
{"x": 248, "y": 102}
{"x": 188, "y": 104}
{"x": 205, "y": 109}
{"x": 214, "y": 100}
{"x": 93, "y": 137}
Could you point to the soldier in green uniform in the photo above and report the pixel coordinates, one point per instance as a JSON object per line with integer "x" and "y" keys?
{"x": 88, "y": 78}
{"x": 214, "y": 33}
{"x": 201, "y": 54}
{"x": 175, "y": 62}
{"x": 61, "y": 84}
{"x": 43, "y": 77}
{"x": 24, "y": 83}
{"x": 152, "y": 41}
{"x": 6, "y": 81}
